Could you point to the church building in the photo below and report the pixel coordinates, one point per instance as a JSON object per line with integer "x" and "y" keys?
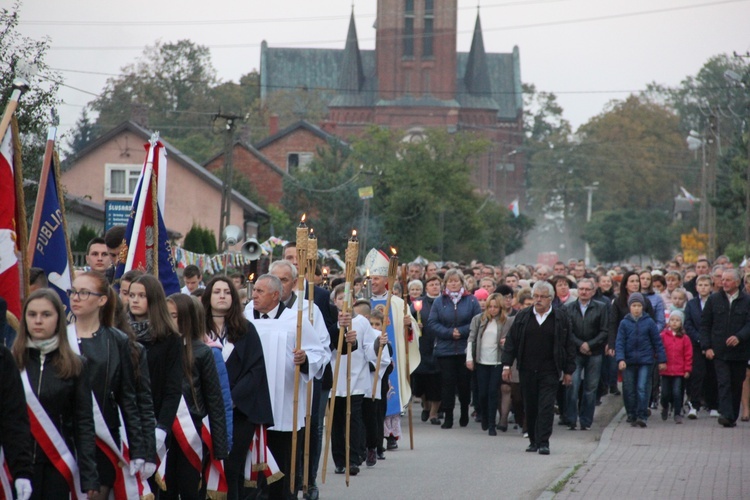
{"x": 415, "y": 80}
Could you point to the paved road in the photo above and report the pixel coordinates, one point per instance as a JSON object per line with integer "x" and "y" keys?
{"x": 467, "y": 463}
{"x": 698, "y": 459}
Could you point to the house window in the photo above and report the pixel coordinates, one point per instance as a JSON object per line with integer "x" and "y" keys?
{"x": 298, "y": 162}
{"x": 121, "y": 180}
{"x": 409, "y": 28}
{"x": 427, "y": 39}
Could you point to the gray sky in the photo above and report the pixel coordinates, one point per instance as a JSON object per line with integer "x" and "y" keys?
{"x": 586, "y": 51}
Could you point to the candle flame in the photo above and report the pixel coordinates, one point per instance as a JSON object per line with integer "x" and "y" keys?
{"x": 325, "y": 271}
{"x": 393, "y": 251}
{"x": 304, "y": 216}
{"x": 354, "y": 233}
{"x": 251, "y": 277}
{"x": 417, "y": 305}
{"x": 312, "y": 234}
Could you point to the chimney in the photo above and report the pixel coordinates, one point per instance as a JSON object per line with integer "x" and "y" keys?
{"x": 139, "y": 114}
{"x": 328, "y": 126}
{"x": 273, "y": 124}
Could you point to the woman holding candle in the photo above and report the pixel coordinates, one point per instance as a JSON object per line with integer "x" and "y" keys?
{"x": 450, "y": 319}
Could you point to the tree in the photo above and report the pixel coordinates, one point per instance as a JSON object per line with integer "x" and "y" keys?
{"x": 193, "y": 241}
{"x": 174, "y": 86}
{"x": 81, "y": 240}
{"x": 326, "y": 191}
{"x": 82, "y": 134}
{"x": 34, "y": 109}
{"x": 616, "y": 235}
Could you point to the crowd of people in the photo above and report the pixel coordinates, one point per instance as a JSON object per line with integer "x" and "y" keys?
{"x": 138, "y": 391}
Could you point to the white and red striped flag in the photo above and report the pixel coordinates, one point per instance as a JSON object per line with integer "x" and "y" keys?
{"x": 10, "y": 276}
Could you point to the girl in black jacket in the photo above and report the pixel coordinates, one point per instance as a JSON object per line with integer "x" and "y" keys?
{"x": 110, "y": 367}
{"x": 202, "y": 393}
{"x": 158, "y": 334}
{"x": 58, "y": 378}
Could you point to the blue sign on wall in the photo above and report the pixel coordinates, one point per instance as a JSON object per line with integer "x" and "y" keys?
{"x": 116, "y": 213}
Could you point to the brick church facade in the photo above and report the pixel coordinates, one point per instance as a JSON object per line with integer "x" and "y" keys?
{"x": 414, "y": 80}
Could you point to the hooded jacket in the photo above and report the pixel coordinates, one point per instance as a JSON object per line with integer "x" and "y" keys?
{"x": 638, "y": 341}
{"x": 679, "y": 353}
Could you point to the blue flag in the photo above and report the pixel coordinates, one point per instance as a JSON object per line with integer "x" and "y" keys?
{"x": 48, "y": 239}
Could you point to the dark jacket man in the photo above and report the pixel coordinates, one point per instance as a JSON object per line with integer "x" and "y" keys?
{"x": 593, "y": 328}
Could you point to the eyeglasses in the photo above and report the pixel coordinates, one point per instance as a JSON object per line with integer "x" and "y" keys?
{"x": 82, "y": 294}
{"x": 541, "y": 297}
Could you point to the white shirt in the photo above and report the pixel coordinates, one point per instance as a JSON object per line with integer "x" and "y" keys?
{"x": 361, "y": 381}
{"x": 541, "y": 317}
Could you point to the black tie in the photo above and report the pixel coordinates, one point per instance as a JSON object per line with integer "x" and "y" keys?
{"x": 264, "y": 316}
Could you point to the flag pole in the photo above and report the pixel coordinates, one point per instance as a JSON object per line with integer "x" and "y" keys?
{"x": 43, "y": 179}
{"x": 145, "y": 177}
{"x": 408, "y": 332}
{"x": 20, "y": 85}
{"x": 61, "y": 201}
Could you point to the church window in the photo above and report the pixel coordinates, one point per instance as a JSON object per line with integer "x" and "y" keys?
{"x": 409, "y": 28}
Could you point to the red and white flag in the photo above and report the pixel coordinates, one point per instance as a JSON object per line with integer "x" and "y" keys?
{"x": 6, "y": 493}
{"x": 10, "y": 280}
{"x": 513, "y": 207}
{"x": 216, "y": 479}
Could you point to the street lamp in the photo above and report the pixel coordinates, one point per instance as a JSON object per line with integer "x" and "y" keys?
{"x": 735, "y": 78}
{"x": 593, "y": 187}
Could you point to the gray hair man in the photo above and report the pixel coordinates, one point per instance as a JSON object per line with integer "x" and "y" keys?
{"x": 541, "y": 343}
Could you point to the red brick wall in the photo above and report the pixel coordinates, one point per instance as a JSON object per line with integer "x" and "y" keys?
{"x": 266, "y": 180}
{"x": 298, "y": 141}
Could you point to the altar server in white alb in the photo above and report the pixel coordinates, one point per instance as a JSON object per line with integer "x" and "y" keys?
{"x": 277, "y": 328}
{"x": 363, "y": 341}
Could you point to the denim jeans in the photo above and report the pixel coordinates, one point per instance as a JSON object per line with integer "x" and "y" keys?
{"x": 488, "y": 383}
{"x": 588, "y": 369}
{"x": 672, "y": 393}
{"x": 636, "y": 390}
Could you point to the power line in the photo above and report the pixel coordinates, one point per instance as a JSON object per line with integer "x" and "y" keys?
{"x": 500, "y": 28}
{"x": 207, "y": 22}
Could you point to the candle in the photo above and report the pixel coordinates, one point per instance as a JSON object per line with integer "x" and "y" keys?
{"x": 417, "y": 303}
{"x": 312, "y": 245}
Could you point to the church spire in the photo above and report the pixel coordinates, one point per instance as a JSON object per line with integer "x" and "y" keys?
{"x": 352, "y": 76}
{"x": 477, "y": 76}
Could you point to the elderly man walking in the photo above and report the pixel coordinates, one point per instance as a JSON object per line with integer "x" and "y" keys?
{"x": 542, "y": 343}
{"x": 725, "y": 339}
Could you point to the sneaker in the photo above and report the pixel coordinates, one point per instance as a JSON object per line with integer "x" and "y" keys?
{"x": 664, "y": 413}
{"x": 392, "y": 443}
{"x": 693, "y": 414}
{"x": 372, "y": 457}
{"x": 526, "y": 435}
{"x": 381, "y": 455}
{"x": 640, "y": 423}
{"x": 714, "y": 414}
{"x": 678, "y": 419}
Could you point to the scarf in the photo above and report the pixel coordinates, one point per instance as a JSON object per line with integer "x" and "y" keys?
{"x": 44, "y": 346}
{"x": 455, "y": 296}
{"x": 142, "y": 331}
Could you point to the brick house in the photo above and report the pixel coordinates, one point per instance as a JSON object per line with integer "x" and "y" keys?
{"x": 280, "y": 154}
{"x": 414, "y": 80}
{"x": 108, "y": 169}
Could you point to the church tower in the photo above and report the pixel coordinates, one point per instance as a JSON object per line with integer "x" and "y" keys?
{"x": 416, "y": 50}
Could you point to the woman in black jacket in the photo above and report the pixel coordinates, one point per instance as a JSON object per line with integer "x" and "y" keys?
{"x": 162, "y": 344}
{"x": 425, "y": 379}
{"x": 58, "y": 379}
{"x": 202, "y": 393}
{"x": 246, "y": 369}
{"x": 110, "y": 367}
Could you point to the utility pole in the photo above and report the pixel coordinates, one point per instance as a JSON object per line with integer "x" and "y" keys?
{"x": 228, "y": 172}
{"x": 711, "y": 154}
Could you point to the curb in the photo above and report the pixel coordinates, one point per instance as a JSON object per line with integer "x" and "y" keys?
{"x": 604, "y": 441}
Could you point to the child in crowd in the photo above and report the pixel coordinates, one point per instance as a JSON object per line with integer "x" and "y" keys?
{"x": 679, "y": 351}
{"x": 679, "y": 298}
{"x": 637, "y": 345}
